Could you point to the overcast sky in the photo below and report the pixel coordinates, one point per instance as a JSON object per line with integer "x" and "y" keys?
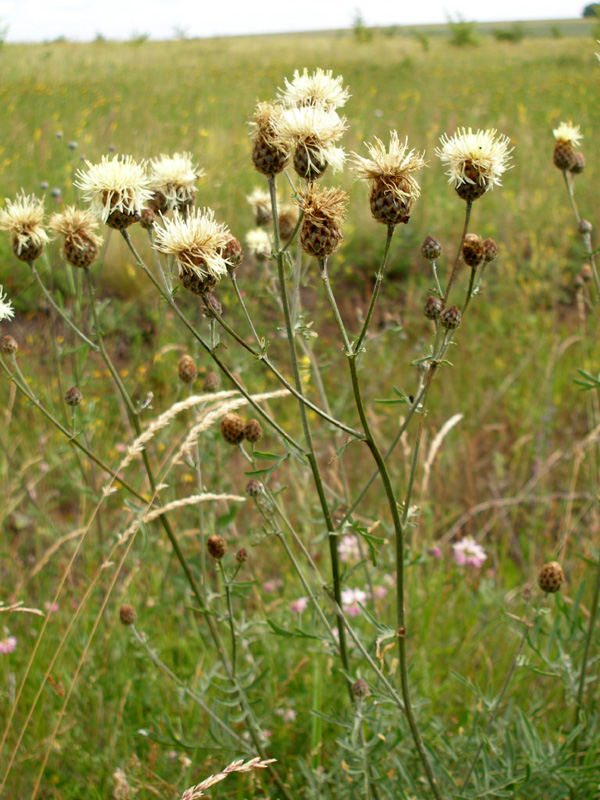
{"x": 37, "y": 20}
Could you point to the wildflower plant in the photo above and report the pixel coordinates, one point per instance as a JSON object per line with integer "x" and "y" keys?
{"x": 339, "y": 608}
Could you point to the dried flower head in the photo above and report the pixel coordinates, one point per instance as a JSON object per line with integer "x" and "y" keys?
{"x": 6, "y": 309}
{"x": 319, "y": 88}
{"x": 23, "y": 219}
{"x": 261, "y": 206}
{"x": 477, "y": 161}
{"x": 269, "y": 155}
{"x": 324, "y": 212}
{"x": 394, "y": 189}
{"x": 259, "y": 244}
{"x": 117, "y": 189}
{"x": 196, "y": 241}
{"x": 81, "y": 243}
{"x": 568, "y": 133}
{"x": 174, "y": 179}
{"x": 312, "y": 133}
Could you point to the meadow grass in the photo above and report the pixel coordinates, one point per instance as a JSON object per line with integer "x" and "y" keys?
{"x": 516, "y": 448}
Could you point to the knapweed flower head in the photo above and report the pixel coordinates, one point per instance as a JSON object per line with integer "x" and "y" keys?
{"x": 568, "y": 133}
{"x": 476, "y": 161}
{"x": 389, "y": 172}
{"x": 173, "y": 179}
{"x": 260, "y": 201}
{"x": 78, "y": 227}
{"x": 318, "y": 88}
{"x": 8, "y": 645}
{"x": 23, "y": 219}
{"x": 197, "y": 241}
{"x": 269, "y": 155}
{"x": 259, "y": 244}
{"x": 117, "y": 189}
{"x": 312, "y": 133}
{"x": 324, "y": 212}
{"x": 468, "y": 553}
{"x": 6, "y": 309}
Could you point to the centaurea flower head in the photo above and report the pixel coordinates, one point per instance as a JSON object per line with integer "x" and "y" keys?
{"x": 476, "y": 161}
{"x": 389, "y": 173}
{"x": 468, "y": 553}
{"x": 312, "y": 133}
{"x": 173, "y": 179}
{"x": 260, "y": 201}
{"x": 319, "y": 88}
{"x": 259, "y": 244}
{"x": 324, "y": 212}
{"x": 568, "y": 133}
{"x": 23, "y": 218}
{"x": 117, "y": 189}
{"x": 78, "y": 227}
{"x": 567, "y": 136}
{"x": 269, "y": 155}
{"x": 6, "y": 309}
{"x": 197, "y": 241}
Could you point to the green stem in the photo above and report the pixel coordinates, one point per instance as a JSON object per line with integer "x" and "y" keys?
{"x": 378, "y": 281}
{"x": 230, "y": 619}
{"x": 470, "y": 289}
{"x": 459, "y": 253}
{"x": 240, "y": 299}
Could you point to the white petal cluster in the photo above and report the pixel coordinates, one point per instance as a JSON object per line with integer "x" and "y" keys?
{"x": 76, "y": 224}
{"x": 392, "y": 166}
{"x": 485, "y": 152}
{"x": 6, "y": 309}
{"x": 117, "y": 184}
{"x": 197, "y": 242}
{"x": 259, "y": 244}
{"x": 319, "y": 89}
{"x": 175, "y": 176}
{"x": 567, "y": 132}
{"x": 315, "y": 129}
{"x": 23, "y": 217}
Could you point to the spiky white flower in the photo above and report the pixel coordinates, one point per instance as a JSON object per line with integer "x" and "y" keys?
{"x": 316, "y": 131}
{"x": 261, "y": 205}
{"x": 23, "y": 217}
{"x": 319, "y": 88}
{"x": 392, "y": 167}
{"x": 259, "y": 244}
{"x": 197, "y": 242}
{"x": 264, "y": 122}
{"x": 175, "y": 177}
{"x": 569, "y": 133}
{"x": 119, "y": 184}
{"x": 6, "y": 309}
{"x": 76, "y": 224}
{"x": 475, "y": 158}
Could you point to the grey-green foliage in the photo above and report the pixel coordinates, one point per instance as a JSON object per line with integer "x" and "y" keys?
{"x": 463, "y": 33}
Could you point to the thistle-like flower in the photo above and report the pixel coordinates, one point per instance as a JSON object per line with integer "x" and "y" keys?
{"x": 259, "y": 244}
{"x": 324, "y": 212}
{"x": 81, "y": 243}
{"x": 394, "y": 189}
{"x": 117, "y": 189}
{"x": 312, "y": 132}
{"x": 6, "y": 309}
{"x": 269, "y": 155}
{"x": 567, "y": 136}
{"x": 173, "y": 179}
{"x": 317, "y": 89}
{"x": 23, "y": 219}
{"x": 261, "y": 206}
{"x": 197, "y": 241}
{"x": 477, "y": 161}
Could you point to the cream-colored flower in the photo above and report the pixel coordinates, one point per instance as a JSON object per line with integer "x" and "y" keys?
{"x": 81, "y": 242}
{"x": 264, "y": 122}
{"x": 261, "y": 205}
{"x": 324, "y": 212}
{"x": 475, "y": 159}
{"x": 568, "y": 133}
{"x": 23, "y": 218}
{"x": 117, "y": 186}
{"x": 6, "y": 309}
{"x": 197, "y": 241}
{"x": 313, "y": 132}
{"x": 392, "y": 167}
{"x": 259, "y": 244}
{"x": 175, "y": 178}
{"x": 317, "y": 89}
{"x": 269, "y": 156}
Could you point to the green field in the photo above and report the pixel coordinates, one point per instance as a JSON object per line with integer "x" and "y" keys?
{"x": 519, "y": 471}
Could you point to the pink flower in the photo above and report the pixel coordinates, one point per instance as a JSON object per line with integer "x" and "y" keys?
{"x": 350, "y": 600}
{"x": 8, "y": 645}
{"x": 272, "y": 586}
{"x": 299, "y": 605}
{"x": 287, "y": 714}
{"x": 379, "y": 592}
{"x": 436, "y": 552}
{"x": 51, "y": 607}
{"x": 348, "y": 548}
{"x": 468, "y": 553}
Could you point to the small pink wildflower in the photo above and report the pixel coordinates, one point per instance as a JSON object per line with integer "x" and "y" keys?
{"x": 379, "y": 592}
{"x": 348, "y": 548}
{"x": 287, "y": 714}
{"x": 436, "y": 552}
{"x": 272, "y": 586}
{"x": 350, "y": 600}
{"x": 299, "y": 605}
{"x": 8, "y": 645}
{"x": 51, "y": 607}
{"x": 468, "y": 553}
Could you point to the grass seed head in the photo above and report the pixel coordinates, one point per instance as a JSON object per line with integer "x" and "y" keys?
{"x": 23, "y": 219}
{"x": 476, "y": 161}
{"x": 551, "y": 577}
{"x": 81, "y": 243}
